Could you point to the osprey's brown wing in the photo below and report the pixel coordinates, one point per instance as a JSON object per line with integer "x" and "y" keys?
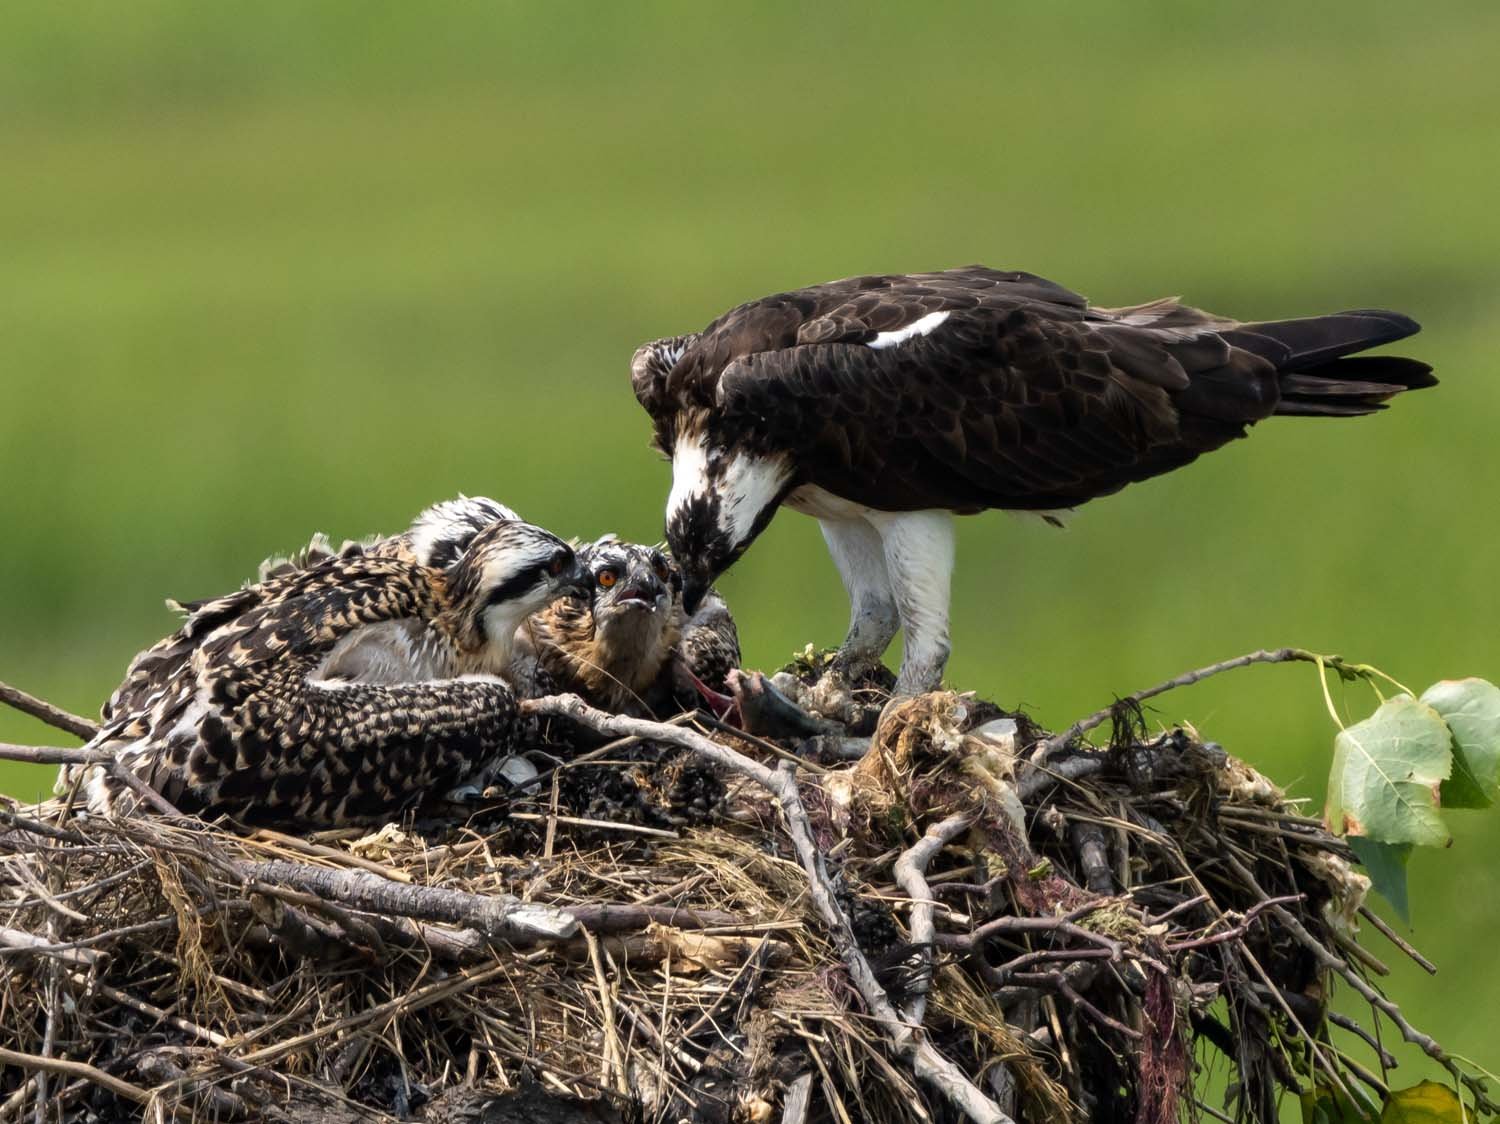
{"x": 974, "y": 388}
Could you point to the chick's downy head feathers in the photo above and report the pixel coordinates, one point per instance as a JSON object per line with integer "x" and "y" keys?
{"x": 442, "y": 532}
{"x": 612, "y": 645}
{"x": 508, "y": 571}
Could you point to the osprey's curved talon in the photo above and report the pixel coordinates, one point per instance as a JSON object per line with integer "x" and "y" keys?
{"x": 882, "y": 406}
{"x": 346, "y": 686}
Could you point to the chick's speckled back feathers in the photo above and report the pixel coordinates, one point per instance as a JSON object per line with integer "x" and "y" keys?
{"x": 272, "y": 738}
{"x": 251, "y": 708}
{"x": 436, "y": 538}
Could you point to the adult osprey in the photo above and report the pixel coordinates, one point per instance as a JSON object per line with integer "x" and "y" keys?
{"x": 344, "y": 686}
{"x": 884, "y": 405}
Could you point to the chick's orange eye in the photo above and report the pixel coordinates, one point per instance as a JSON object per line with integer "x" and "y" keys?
{"x": 661, "y": 569}
{"x": 607, "y": 578}
{"x": 555, "y": 567}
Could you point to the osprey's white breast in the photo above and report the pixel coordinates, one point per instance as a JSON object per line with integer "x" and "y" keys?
{"x": 820, "y": 503}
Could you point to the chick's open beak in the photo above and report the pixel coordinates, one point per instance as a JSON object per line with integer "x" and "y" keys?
{"x": 638, "y": 592}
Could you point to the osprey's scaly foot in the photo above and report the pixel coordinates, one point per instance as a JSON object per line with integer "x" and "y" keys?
{"x": 856, "y": 666}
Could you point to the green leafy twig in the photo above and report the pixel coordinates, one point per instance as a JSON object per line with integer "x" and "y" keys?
{"x": 1340, "y": 666}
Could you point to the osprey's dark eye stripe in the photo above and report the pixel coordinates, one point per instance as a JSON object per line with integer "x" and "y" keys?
{"x": 512, "y": 587}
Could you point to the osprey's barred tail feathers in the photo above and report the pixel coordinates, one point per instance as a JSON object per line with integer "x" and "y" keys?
{"x": 1313, "y": 357}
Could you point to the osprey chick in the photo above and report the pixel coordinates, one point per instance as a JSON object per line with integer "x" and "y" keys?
{"x": 628, "y": 646}
{"x": 884, "y": 405}
{"x": 344, "y": 687}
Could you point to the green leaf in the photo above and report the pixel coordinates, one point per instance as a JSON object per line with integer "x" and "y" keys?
{"x": 1385, "y": 863}
{"x": 1471, "y": 707}
{"x": 1322, "y": 1105}
{"x": 1386, "y": 774}
{"x": 1427, "y": 1103}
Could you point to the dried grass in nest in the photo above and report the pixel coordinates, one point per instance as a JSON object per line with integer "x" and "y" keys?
{"x": 971, "y": 922}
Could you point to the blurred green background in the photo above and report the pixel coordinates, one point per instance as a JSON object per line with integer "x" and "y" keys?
{"x": 284, "y": 267}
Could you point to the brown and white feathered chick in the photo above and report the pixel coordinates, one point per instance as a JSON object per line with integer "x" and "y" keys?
{"x": 342, "y": 688}
{"x": 435, "y": 539}
{"x": 628, "y": 646}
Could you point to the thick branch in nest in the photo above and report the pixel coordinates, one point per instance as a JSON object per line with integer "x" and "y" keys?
{"x": 44, "y": 711}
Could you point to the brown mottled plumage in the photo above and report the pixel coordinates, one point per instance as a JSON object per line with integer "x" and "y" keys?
{"x": 436, "y": 538}
{"x": 629, "y": 647}
{"x": 340, "y": 689}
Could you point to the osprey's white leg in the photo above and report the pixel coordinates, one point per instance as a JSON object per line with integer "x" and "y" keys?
{"x": 919, "y": 558}
{"x": 859, "y": 555}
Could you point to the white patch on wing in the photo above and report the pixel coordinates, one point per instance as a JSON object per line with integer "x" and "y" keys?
{"x": 919, "y": 327}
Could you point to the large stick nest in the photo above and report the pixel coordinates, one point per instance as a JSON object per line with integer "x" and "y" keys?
{"x": 968, "y": 922}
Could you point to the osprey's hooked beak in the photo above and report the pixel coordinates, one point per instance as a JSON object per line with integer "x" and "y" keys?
{"x": 695, "y": 582}
{"x": 576, "y": 581}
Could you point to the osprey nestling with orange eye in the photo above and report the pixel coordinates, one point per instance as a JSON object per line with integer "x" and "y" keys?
{"x": 884, "y": 405}
{"x": 628, "y": 646}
